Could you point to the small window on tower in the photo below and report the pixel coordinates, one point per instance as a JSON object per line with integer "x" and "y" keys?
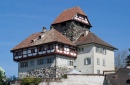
{"x": 63, "y": 24}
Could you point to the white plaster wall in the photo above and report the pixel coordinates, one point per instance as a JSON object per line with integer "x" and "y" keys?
{"x": 79, "y": 80}
{"x": 109, "y": 61}
{"x": 90, "y": 52}
{"x": 87, "y": 53}
{"x": 25, "y": 69}
{"x": 62, "y": 61}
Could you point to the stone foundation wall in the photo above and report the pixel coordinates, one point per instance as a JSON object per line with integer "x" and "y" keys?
{"x": 82, "y": 79}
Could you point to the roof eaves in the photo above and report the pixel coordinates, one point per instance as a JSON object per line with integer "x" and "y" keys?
{"x": 98, "y": 44}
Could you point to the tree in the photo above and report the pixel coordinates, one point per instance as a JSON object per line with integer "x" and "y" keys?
{"x": 120, "y": 57}
{"x": 3, "y": 79}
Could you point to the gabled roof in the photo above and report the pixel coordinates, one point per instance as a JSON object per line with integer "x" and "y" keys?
{"x": 122, "y": 75}
{"x": 91, "y": 38}
{"x": 68, "y": 14}
{"x": 47, "y": 37}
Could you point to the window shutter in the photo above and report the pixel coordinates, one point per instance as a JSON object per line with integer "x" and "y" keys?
{"x": 89, "y": 60}
{"x": 85, "y": 61}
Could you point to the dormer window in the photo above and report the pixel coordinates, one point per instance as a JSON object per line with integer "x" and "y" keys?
{"x": 33, "y": 40}
{"x": 39, "y": 37}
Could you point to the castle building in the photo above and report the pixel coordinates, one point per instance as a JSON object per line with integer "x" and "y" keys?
{"x": 68, "y": 44}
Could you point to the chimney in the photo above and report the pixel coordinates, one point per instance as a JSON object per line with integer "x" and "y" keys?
{"x": 43, "y": 29}
{"x": 86, "y": 32}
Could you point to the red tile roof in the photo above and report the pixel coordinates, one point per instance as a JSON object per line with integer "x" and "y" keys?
{"x": 68, "y": 14}
{"x": 91, "y": 38}
{"x": 49, "y": 36}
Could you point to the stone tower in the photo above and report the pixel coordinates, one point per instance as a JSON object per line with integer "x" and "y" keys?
{"x": 72, "y": 23}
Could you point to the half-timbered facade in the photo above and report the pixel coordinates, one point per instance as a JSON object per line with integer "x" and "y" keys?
{"x": 44, "y": 49}
{"x": 69, "y": 43}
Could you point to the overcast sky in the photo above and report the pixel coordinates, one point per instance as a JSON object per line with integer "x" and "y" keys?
{"x": 20, "y": 18}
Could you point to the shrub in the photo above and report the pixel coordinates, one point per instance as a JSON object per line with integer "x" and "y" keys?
{"x": 30, "y": 81}
{"x": 36, "y": 81}
{"x": 64, "y": 76}
{"x": 27, "y": 81}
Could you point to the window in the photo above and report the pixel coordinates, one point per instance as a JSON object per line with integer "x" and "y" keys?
{"x": 45, "y": 47}
{"x": 23, "y": 64}
{"x": 79, "y": 49}
{"x": 98, "y": 61}
{"x": 104, "y": 51}
{"x": 50, "y": 60}
{"x": 19, "y": 53}
{"x": 98, "y": 71}
{"x": 51, "y": 46}
{"x": 60, "y": 47}
{"x": 101, "y": 50}
{"x": 87, "y": 61}
{"x": 31, "y": 63}
{"x": 70, "y": 63}
{"x": 81, "y": 24}
{"x": 103, "y": 62}
{"x": 32, "y": 50}
{"x": 97, "y": 49}
{"x": 82, "y": 49}
{"x": 45, "y": 61}
{"x": 24, "y": 52}
{"x": 63, "y": 24}
{"x": 40, "y": 49}
{"x": 40, "y": 62}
